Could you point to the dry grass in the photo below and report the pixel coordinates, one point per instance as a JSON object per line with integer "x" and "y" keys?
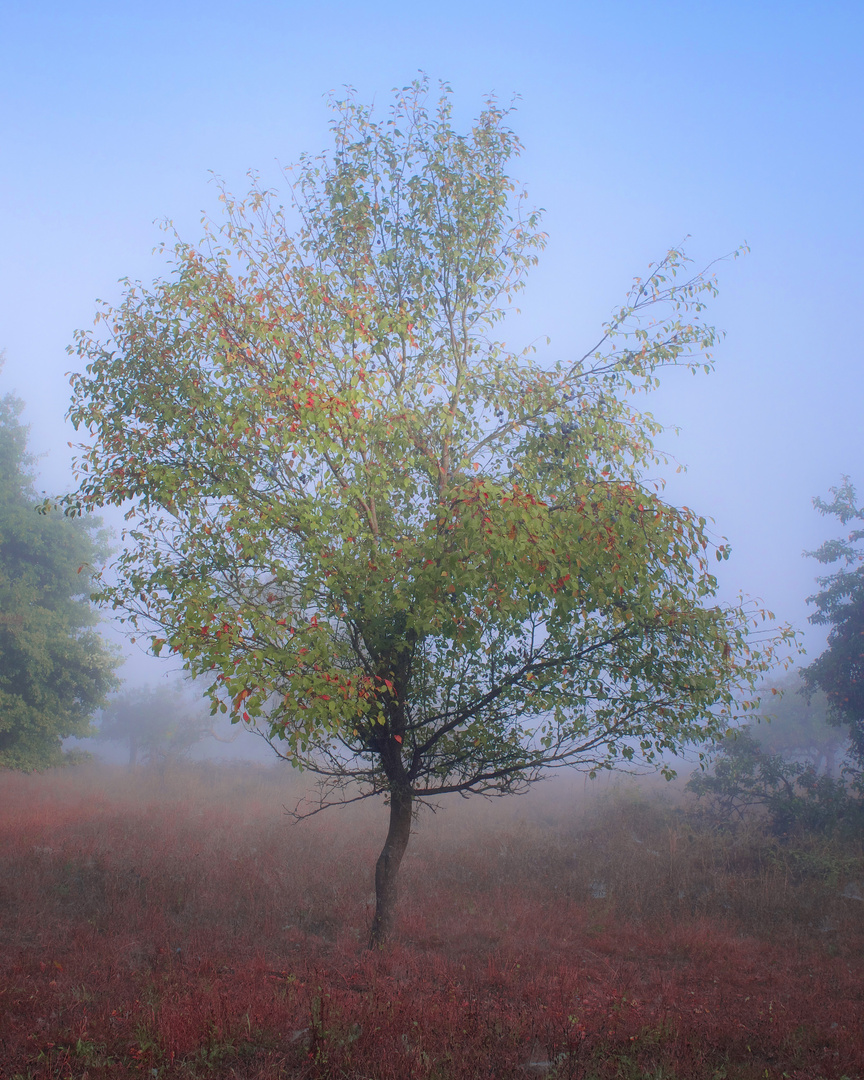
{"x": 185, "y": 928}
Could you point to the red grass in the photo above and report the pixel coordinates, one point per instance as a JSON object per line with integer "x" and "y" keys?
{"x": 191, "y": 930}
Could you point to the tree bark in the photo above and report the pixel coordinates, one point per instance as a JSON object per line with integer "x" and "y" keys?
{"x": 387, "y": 867}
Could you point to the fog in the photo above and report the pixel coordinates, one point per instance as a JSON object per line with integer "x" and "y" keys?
{"x": 161, "y": 913}
{"x": 642, "y": 124}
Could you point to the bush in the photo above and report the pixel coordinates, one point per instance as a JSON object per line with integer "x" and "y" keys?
{"x": 745, "y": 779}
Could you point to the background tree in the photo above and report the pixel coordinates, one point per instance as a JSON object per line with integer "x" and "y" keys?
{"x": 796, "y": 726}
{"x": 159, "y": 724}
{"x": 55, "y": 668}
{"x": 744, "y": 778}
{"x": 422, "y": 562}
{"x": 839, "y": 671}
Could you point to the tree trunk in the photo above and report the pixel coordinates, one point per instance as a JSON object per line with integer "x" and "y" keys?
{"x": 387, "y": 867}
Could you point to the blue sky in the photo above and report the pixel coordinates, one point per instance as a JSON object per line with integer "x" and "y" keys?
{"x": 642, "y": 123}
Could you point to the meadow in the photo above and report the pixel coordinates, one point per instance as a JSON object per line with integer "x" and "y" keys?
{"x": 182, "y": 926}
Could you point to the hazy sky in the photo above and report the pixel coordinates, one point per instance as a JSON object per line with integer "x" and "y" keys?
{"x": 643, "y": 122}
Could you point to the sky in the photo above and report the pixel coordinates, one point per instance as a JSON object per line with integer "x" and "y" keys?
{"x": 643, "y": 123}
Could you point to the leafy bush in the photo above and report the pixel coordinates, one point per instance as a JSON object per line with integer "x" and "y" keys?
{"x": 744, "y": 778}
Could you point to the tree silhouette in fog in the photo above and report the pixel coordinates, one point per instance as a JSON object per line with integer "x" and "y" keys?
{"x": 839, "y": 671}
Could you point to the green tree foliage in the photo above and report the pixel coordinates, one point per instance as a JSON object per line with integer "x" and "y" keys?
{"x": 839, "y": 671}
{"x": 423, "y": 562}
{"x": 55, "y": 669}
{"x": 159, "y": 724}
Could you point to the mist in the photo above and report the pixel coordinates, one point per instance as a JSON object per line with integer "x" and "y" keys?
{"x": 640, "y": 127}
{"x": 174, "y": 905}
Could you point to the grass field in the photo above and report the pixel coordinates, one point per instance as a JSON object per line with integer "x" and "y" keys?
{"x": 184, "y": 927}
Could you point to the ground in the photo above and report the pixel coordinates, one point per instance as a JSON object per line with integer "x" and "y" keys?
{"x": 181, "y": 926}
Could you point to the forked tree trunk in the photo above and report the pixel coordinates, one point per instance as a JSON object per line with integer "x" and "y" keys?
{"x": 387, "y": 867}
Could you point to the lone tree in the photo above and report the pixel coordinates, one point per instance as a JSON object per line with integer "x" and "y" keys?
{"x": 55, "y": 668}
{"x": 420, "y": 562}
{"x": 839, "y": 671}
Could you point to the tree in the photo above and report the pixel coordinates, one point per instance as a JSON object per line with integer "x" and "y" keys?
{"x": 796, "y": 726}
{"x": 160, "y": 724}
{"x": 839, "y": 671}
{"x": 421, "y": 562}
{"x": 55, "y": 669}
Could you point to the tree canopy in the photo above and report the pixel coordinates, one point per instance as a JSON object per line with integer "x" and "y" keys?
{"x": 839, "y": 671}
{"x": 422, "y": 561}
{"x": 55, "y": 668}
